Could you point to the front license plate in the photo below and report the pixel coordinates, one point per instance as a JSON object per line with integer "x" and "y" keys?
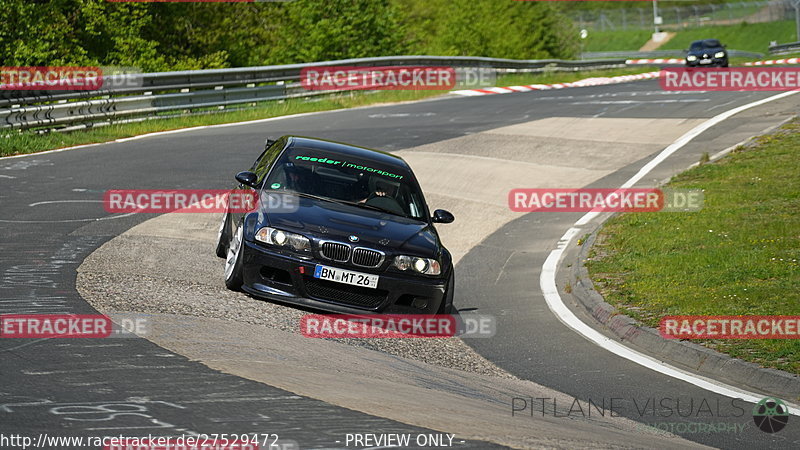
{"x": 705, "y": 61}
{"x": 346, "y": 276}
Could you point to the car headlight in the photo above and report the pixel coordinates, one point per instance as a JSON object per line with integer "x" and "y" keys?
{"x": 691, "y": 58}
{"x": 425, "y": 266}
{"x": 719, "y": 55}
{"x": 282, "y": 238}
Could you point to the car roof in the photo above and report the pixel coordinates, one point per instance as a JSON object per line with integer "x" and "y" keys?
{"x": 353, "y": 151}
{"x": 708, "y": 43}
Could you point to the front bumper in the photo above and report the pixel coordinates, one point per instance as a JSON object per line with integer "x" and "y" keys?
{"x": 712, "y": 62}
{"x": 288, "y": 278}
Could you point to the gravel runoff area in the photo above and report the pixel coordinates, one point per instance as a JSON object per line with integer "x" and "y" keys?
{"x": 167, "y": 265}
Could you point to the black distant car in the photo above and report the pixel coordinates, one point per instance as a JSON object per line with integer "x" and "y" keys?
{"x": 338, "y": 228}
{"x": 707, "y": 53}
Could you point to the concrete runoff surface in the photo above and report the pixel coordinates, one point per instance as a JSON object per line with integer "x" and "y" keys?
{"x": 472, "y": 175}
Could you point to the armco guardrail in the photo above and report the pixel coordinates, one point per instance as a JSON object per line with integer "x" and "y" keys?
{"x": 147, "y": 94}
{"x": 661, "y": 54}
{"x": 784, "y": 49}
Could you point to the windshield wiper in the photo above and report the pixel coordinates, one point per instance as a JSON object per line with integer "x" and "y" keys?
{"x": 345, "y": 202}
{"x": 372, "y": 207}
{"x": 316, "y": 197}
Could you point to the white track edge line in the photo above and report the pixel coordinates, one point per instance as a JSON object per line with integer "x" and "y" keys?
{"x": 547, "y": 280}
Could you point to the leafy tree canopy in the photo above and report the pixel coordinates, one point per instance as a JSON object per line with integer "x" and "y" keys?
{"x": 178, "y": 36}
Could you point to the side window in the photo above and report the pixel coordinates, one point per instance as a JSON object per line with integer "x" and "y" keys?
{"x": 255, "y": 164}
{"x": 265, "y": 161}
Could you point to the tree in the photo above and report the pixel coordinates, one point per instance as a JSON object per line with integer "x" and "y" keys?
{"x": 317, "y": 30}
{"x": 176, "y": 36}
{"x": 520, "y": 30}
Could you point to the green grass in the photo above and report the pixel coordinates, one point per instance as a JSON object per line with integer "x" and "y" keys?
{"x": 609, "y": 41}
{"x": 16, "y": 142}
{"x": 740, "y": 255}
{"x": 753, "y": 37}
{"x": 733, "y": 13}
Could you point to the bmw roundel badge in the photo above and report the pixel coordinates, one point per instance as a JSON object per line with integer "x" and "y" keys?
{"x": 353, "y": 238}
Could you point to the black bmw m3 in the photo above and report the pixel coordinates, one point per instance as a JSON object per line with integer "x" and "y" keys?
{"x": 707, "y": 53}
{"x": 338, "y": 228}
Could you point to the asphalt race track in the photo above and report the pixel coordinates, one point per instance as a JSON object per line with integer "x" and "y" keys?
{"x": 596, "y": 136}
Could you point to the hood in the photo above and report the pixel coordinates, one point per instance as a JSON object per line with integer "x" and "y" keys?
{"x": 323, "y": 220}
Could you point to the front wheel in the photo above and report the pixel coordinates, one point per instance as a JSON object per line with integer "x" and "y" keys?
{"x": 223, "y": 236}
{"x": 233, "y": 261}
{"x": 447, "y": 300}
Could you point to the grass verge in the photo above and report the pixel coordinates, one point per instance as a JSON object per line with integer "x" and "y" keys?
{"x": 752, "y": 37}
{"x": 740, "y": 255}
{"x": 16, "y": 142}
{"x": 617, "y": 40}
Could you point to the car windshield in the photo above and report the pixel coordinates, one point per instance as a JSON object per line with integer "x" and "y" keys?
{"x": 708, "y": 43}
{"x": 361, "y": 183}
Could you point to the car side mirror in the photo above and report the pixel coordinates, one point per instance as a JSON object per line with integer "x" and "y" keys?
{"x": 442, "y": 216}
{"x": 247, "y": 179}
{"x": 269, "y": 143}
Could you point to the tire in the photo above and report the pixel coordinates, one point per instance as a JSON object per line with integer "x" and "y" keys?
{"x": 233, "y": 261}
{"x": 447, "y": 300}
{"x": 224, "y": 236}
